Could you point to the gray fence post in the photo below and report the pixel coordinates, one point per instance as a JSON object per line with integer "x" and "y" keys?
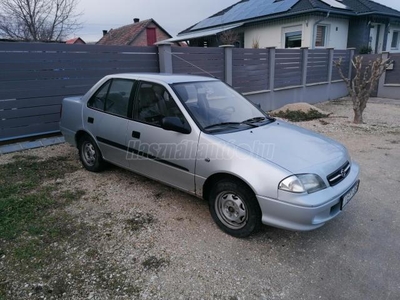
{"x": 304, "y": 67}
{"x": 382, "y": 80}
{"x": 271, "y": 63}
{"x": 165, "y": 57}
{"x": 331, "y": 53}
{"x": 304, "y": 64}
{"x": 228, "y": 63}
{"x": 352, "y": 51}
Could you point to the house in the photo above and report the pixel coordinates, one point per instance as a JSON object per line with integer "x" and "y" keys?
{"x": 139, "y": 33}
{"x": 77, "y": 40}
{"x": 336, "y": 24}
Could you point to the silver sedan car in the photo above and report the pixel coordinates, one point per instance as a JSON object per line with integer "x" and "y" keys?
{"x": 200, "y": 136}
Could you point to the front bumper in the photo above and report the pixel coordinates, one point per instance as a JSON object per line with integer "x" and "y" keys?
{"x": 326, "y": 205}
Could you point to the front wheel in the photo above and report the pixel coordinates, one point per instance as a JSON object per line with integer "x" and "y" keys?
{"x": 90, "y": 154}
{"x": 235, "y": 208}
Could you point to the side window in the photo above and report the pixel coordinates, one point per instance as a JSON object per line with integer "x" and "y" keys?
{"x": 99, "y": 98}
{"x": 154, "y": 103}
{"x": 117, "y": 100}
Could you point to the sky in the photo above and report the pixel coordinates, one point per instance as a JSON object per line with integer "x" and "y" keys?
{"x": 173, "y": 15}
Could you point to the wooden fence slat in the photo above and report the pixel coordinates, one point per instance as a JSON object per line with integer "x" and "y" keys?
{"x": 70, "y": 74}
{"x": 45, "y": 92}
{"x": 55, "y": 57}
{"x": 18, "y": 122}
{"x": 76, "y": 64}
{"x": 29, "y": 130}
{"x": 55, "y": 84}
{"x": 33, "y": 102}
{"x": 197, "y": 50}
{"x": 32, "y": 111}
{"x": 250, "y": 68}
{"x": 30, "y": 47}
{"x": 261, "y": 63}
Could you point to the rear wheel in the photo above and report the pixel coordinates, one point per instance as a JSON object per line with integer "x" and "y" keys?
{"x": 235, "y": 208}
{"x": 90, "y": 154}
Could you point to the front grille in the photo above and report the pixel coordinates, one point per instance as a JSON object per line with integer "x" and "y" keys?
{"x": 340, "y": 174}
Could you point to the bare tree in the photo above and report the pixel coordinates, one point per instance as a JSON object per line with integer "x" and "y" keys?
{"x": 364, "y": 82}
{"x": 256, "y": 43}
{"x": 38, "y": 20}
{"x": 229, "y": 37}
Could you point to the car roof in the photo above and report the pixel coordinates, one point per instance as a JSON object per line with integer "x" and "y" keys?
{"x": 166, "y": 78}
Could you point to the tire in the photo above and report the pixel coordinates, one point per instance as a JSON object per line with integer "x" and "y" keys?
{"x": 90, "y": 155}
{"x": 235, "y": 208}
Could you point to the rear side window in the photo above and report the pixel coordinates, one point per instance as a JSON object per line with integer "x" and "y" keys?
{"x": 117, "y": 100}
{"x": 113, "y": 97}
{"x": 98, "y": 100}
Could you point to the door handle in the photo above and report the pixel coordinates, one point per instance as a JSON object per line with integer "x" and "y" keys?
{"x": 136, "y": 134}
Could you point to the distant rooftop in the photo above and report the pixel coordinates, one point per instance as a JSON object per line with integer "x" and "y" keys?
{"x": 127, "y": 34}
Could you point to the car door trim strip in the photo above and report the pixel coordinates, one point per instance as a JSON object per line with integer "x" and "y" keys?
{"x": 140, "y": 153}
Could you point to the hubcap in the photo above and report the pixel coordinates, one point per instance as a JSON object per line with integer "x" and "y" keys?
{"x": 89, "y": 154}
{"x": 231, "y": 210}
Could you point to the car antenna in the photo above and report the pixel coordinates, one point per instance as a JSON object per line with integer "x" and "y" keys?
{"x": 193, "y": 65}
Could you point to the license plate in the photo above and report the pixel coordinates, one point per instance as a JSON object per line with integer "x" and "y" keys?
{"x": 350, "y": 194}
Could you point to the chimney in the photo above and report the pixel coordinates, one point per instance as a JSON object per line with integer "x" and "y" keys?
{"x": 104, "y": 32}
{"x": 136, "y": 20}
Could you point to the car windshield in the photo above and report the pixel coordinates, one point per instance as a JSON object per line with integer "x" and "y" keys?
{"x": 217, "y": 107}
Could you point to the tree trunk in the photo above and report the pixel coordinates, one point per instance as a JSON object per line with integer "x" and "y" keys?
{"x": 364, "y": 82}
{"x": 358, "y": 116}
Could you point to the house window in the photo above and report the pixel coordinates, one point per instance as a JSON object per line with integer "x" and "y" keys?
{"x": 320, "y": 38}
{"x": 395, "y": 40}
{"x": 151, "y": 36}
{"x": 293, "y": 39}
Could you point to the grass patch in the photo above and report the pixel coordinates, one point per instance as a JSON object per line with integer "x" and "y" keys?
{"x": 29, "y": 219}
{"x": 299, "y": 116}
{"x": 3, "y": 292}
{"x": 42, "y": 243}
{"x": 24, "y": 202}
{"x": 139, "y": 221}
{"x": 154, "y": 262}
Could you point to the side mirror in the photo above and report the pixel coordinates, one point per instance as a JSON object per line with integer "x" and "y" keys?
{"x": 175, "y": 124}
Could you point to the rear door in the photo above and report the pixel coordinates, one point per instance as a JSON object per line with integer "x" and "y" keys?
{"x": 167, "y": 156}
{"x": 107, "y": 118}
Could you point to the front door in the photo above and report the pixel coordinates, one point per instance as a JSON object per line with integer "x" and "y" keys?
{"x": 376, "y": 36}
{"x": 163, "y": 155}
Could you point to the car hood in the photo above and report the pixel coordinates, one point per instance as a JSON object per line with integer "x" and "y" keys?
{"x": 291, "y": 147}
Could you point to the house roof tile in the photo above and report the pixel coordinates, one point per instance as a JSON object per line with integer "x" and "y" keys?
{"x": 126, "y": 35}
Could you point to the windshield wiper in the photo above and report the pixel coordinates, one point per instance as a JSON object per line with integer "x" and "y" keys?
{"x": 221, "y": 124}
{"x": 250, "y": 122}
{"x": 254, "y": 120}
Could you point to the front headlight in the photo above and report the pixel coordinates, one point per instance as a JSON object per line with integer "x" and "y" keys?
{"x": 301, "y": 183}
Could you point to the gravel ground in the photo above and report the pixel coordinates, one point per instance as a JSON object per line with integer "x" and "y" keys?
{"x": 148, "y": 241}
